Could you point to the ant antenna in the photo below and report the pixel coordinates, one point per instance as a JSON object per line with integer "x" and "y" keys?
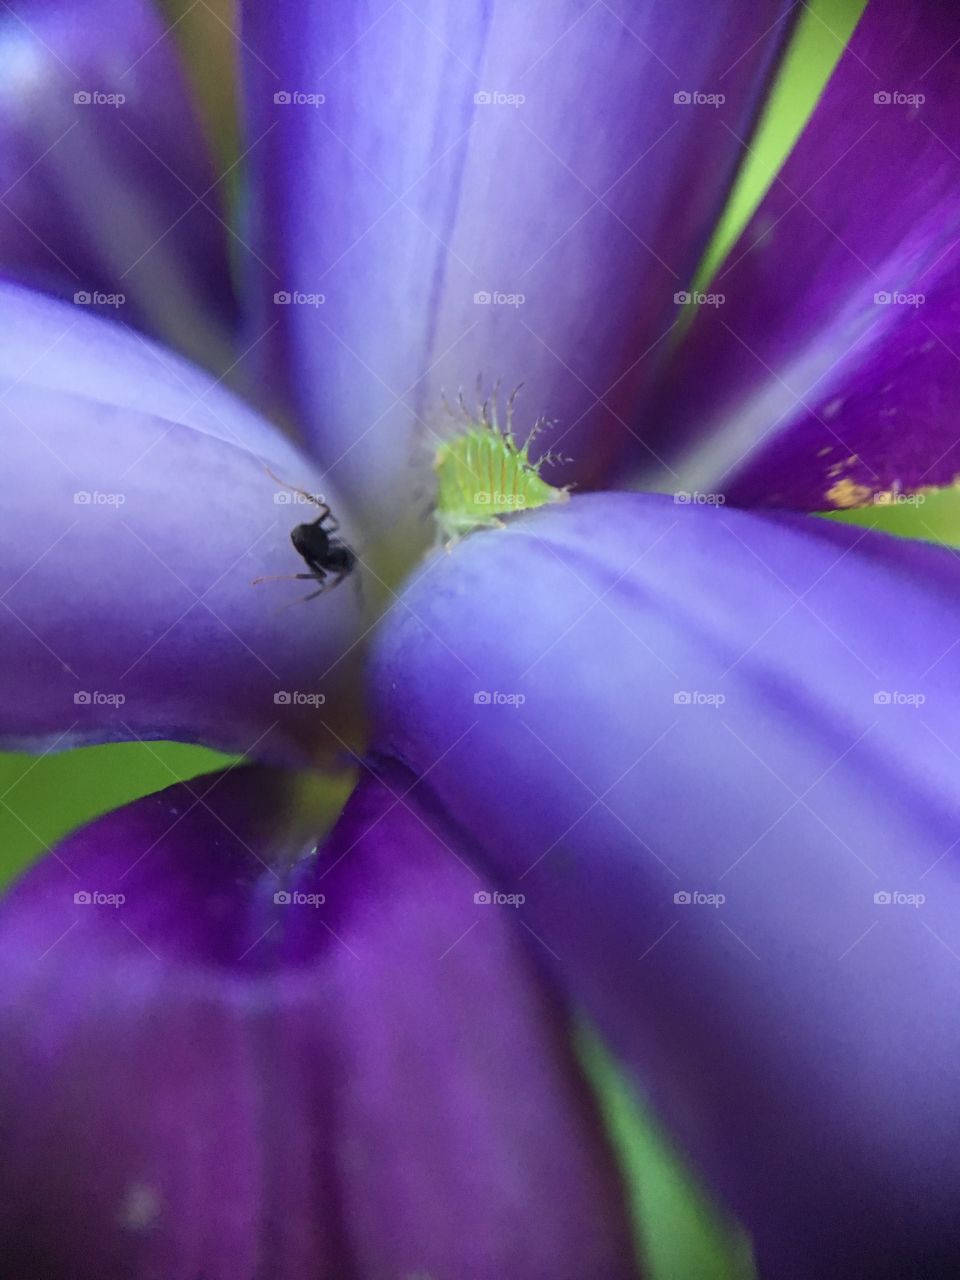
{"x": 292, "y": 488}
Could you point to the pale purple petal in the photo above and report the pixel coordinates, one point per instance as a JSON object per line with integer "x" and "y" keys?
{"x": 137, "y": 510}
{"x": 628, "y": 700}
{"x": 486, "y": 193}
{"x": 106, "y": 187}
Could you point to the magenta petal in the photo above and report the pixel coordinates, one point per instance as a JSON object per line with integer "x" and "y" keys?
{"x": 341, "y": 1069}
{"x": 830, "y": 373}
{"x": 635, "y": 706}
{"x": 106, "y": 187}
{"x": 153, "y": 1098}
{"x": 464, "y": 157}
{"x": 136, "y": 513}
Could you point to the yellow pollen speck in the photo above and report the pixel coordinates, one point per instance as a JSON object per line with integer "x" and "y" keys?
{"x": 846, "y": 493}
{"x": 822, "y": 453}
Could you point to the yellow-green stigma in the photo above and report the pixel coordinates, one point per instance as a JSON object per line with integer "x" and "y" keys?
{"x": 483, "y": 475}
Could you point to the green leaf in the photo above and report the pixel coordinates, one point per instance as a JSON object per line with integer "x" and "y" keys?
{"x": 681, "y": 1233}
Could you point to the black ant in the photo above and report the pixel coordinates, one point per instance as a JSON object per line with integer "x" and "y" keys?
{"x": 326, "y": 555}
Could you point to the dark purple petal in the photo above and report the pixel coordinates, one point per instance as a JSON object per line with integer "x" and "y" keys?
{"x": 626, "y": 700}
{"x": 106, "y": 187}
{"x": 830, "y": 373}
{"x": 266, "y": 1062}
{"x": 136, "y": 512}
{"x": 419, "y": 194}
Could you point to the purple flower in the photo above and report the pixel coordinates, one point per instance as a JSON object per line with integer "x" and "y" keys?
{"x": 674, "y": 768}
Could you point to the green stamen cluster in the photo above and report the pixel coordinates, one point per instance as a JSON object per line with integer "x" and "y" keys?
{"x": 483, "y": 475}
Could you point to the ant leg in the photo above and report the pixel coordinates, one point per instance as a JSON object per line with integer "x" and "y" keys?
{"x": 292, "y": 488}
{"x": 324, "y": 586}
{"x": 312, "y": 595}
{"x": 285, "y": 577}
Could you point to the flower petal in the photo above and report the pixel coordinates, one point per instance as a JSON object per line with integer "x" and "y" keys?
{"x": 107, "y": 187}
{"x": 634, "y": 705}
{"x": 461, "y": 221}
{"x": 830, "y": 372}
{"x": 339, "y": 1069}
{"x": 470, "y": 1148}
{"x": 137, "y": 510}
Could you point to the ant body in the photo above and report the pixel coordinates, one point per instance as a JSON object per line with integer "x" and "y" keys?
{"x": 326, "y": 555}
